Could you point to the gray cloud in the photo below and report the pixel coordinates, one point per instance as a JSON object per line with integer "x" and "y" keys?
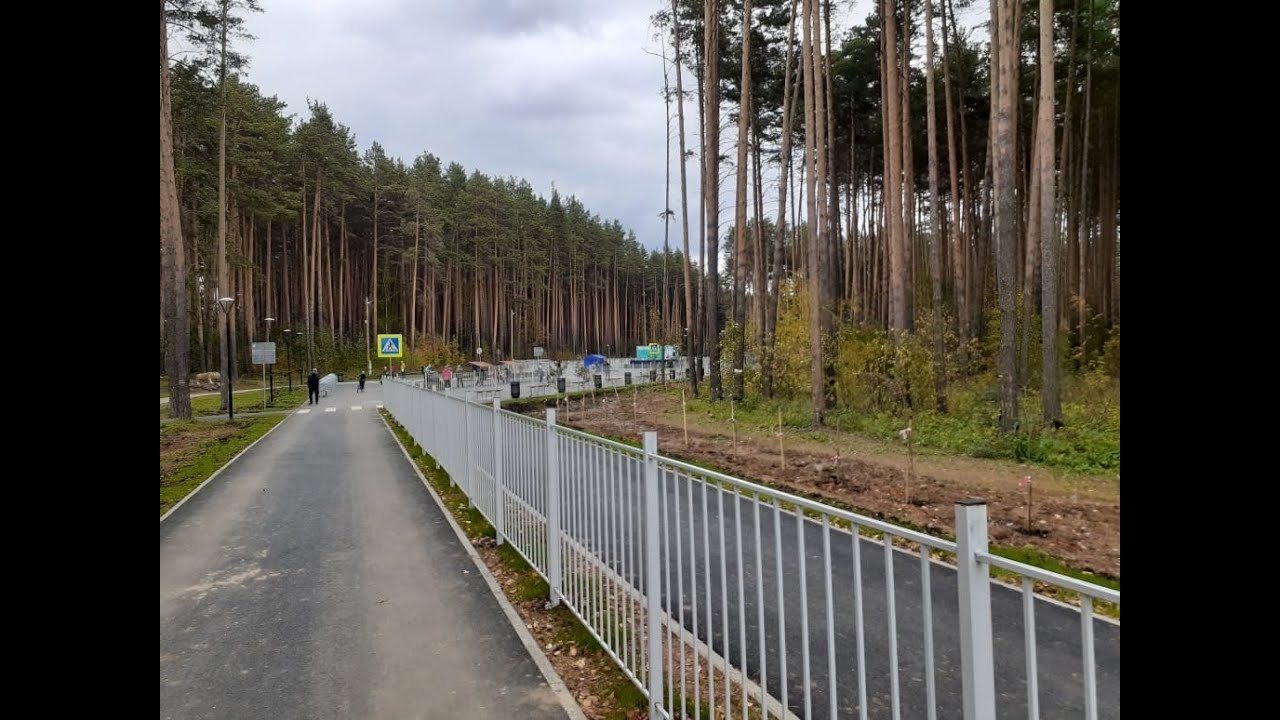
{"x": 548, "y": 90}
{"x": 553, "y": 91}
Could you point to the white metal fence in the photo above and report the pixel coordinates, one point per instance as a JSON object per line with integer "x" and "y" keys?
{"x": 538, "y": 378}
{"x": 720, "y": 597}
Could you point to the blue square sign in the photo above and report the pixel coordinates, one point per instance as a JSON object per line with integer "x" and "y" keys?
{"x": 390, "y": 346}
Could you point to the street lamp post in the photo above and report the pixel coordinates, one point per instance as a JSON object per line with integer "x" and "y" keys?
{"x": 272, "y": 369}
{"x": 368, "y": 361}
{"x": 288, "y": 336}
{"x": 225, "y": 304}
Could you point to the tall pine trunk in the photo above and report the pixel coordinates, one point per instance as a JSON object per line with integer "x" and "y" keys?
{"x": 958, "y": 245}
{"x": 173, "y": 285}
{"x": 788, "y": 108}
{"x": 935, "y": 206}
{"x": 711, "y": 198}
{"x": 813, "y": 152}
{"x": 224, "y": 276}
{"x": 1050, "y": 398}
{"x": 898, "y": 308}
{"x": 740, "y": 217}
{"x": 1004, "y": 85}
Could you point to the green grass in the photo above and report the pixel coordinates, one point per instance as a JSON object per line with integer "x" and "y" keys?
{"x": 244, "y": 402}
{"x": 577, "y": 633}
{"x": 1089, "y": 444}
{"x": 195, "y": 466}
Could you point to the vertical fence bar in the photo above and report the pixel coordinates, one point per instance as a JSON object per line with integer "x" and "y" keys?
{"x": 831, "y": 615}
{"x": 499, "y": 493}
{"x": 553, "y": 509}
{"x": 522, "y": 448}
{"x": 724, "y": 603}
{"x": 693, "y": 598}
{"x": 742, "y": 602}
{"x": 1090, "y": 671}
{"x": 576, "y": 510}
{"x": 1029, "y": 624}
{"x": 642, "y": 569}
{"x": 585, "y": 605}
{"x": 629, "y": 563}
{"x": 858, "y": 627}
{"x": 653, "y": 572}
{"x": 764, "y": 675}
{"x": 804, "y": 612}
{"x": 684, "y": 685}
{"x": 706, "y": 584}
{"x": 520, "y": 465}
{"x": 977, "y": 663}
{"x": 583, "y": 533}
{"x": 445, "y": 434}
{"x": 529, "y": 524}
{"x": 615, "y": 521}
{"x": 782, "y": 607}
{"x": 597, "y": 537}
{"x": 891, "y": 609}
{"x": 666, "y": 564}
{"x": 469, "y": 462}
{"x": 578, "y": 502}
{"x": 611, "y": 605}
{"x": 601, "y": 556}
{"x": 926, "y": 592}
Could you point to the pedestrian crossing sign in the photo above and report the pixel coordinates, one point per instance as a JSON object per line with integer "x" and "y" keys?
{"x": 390, "y": 346}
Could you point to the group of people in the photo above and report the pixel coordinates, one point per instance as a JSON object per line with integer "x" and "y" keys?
{"x": 313, "y": 386}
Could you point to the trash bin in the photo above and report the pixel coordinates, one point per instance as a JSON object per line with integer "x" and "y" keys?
{"x": 626, "y": 378}
{"x": 339, "y": 377}
{"x": 560, "y": 385}
{"x": 598, "y": 381}
{"x": 515, "y": 390}
{"x": 653, "y": 376}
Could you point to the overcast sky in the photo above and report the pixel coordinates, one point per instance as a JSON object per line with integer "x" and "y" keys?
{"x": 553, "y": 91}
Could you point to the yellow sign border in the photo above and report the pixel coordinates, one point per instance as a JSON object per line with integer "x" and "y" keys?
{"x": 399, "y": 344}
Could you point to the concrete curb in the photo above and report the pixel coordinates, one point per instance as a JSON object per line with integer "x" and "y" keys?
{"x": 557, "y": 685}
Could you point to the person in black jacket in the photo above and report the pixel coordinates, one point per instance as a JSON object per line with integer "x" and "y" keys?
{"x": 361, "y": 387}
{"x": 313, "y": 387}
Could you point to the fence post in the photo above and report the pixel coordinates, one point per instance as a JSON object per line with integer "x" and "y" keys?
{"x": 499, "y": 492}
{"x": 553, "y": 508}
{"x": 653, "y": 573}
{"x": 470, "y": 486}
{"x": 443, "y": 429}
{"x": 418, "y": 401}
{"x": 977, "y": 668}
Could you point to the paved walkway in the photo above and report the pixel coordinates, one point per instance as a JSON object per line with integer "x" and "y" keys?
{"x": 317, "y": 578}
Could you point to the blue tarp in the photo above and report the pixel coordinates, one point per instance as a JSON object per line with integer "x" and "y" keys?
{"x": 590, "y": 360}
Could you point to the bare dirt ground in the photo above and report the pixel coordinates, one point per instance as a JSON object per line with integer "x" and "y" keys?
{"x": 1075, "y": 519}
